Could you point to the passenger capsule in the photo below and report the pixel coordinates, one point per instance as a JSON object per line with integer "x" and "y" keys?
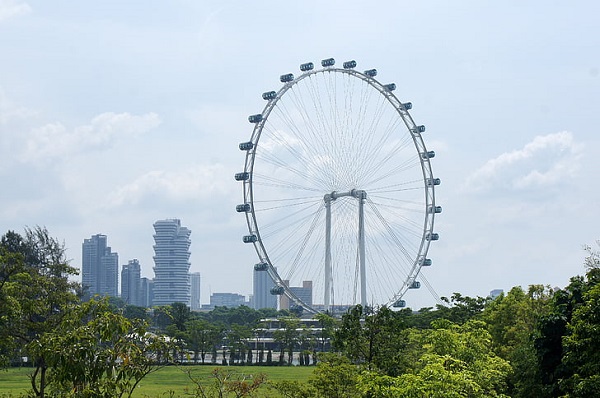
{"x": 243, "y": 208}
{"x": 415, "y": 285}
{"x": 435, "y": 209}
{"x": 269, "y": 95}
{"x": 407, "y": 105}
{"x": 286, "y": 78}
{"x": 250, "y": 238}
{"x": 421, "y": 129}
{"x": 350, "y": 64}
{"x": 371, "y": 72}
{"x": 432, "y": 236}
{"x": 425, "y": 262}
{"x": 390, "y": 87}
{"x": 328, "y": 62}
{"x": 428, "y": 155}
{"x": 307, "y": 66}
{"x": 399, "y": 304}
{"x": 255, "y": 118}
{"x": 277, "y": 290}
{"x": 261, "y": 267}
{"x": 433, "y": 181}
{"x": 242, "y": 176}
{"x": 244, "y": 146}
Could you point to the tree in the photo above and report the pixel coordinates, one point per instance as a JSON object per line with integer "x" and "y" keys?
{"x": 227, "y": 383}
{"x": 180, "y": 314}
{"x": 237, "y": 337}
{"x": 511, "y": 320}
{"x": 35, "y": 283}
{"x": 287, "y": 337}
{"x": 376, "y": 339}
{"x": 582, "y": 348}
{"x": 135, "y": 312}
{"x": 552, "y": 329}
{"x": 335, "y": 377}
{"x": 452, "y": 361}
{"x": 201, "y": 338}
{"x": 12, "y": 264}
{"x": 460, "y": 309}
{"x": 96, "y": 352}
{"x": 327, "y": 325}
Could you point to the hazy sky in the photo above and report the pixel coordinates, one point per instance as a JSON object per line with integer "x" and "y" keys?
{"x": 114, "y": 114}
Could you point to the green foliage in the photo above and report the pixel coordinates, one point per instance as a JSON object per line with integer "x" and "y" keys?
{"x": 460, "y": 309}
{"x": 377, "y": 339}
{"x": 95, "y": 352}
{"x": 226, "y": 383}
{"x": 335, "y": 377}
{"x": 288, "y": 336}
{"x": 511, "y": 320}
{"x": 582, "y": 347}
{"x": 34, "y": 288}
{"x": 202, "y": 337}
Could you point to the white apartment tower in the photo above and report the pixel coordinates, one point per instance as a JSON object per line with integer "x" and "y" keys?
{"x": 131, "y": 283}
{"x": 261, "y": 291}
{"x": 171, "y": 263}
{"x": 195, "y": 291}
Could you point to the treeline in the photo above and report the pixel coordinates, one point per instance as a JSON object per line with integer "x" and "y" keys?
{"x": 538, "y": 342}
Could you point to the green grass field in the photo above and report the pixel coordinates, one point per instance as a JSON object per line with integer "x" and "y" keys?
{"x": 15, "y": 381}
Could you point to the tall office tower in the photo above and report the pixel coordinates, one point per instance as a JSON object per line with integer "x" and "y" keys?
{"x": 146, "y": 292}
{"x": 261, "y": 291}
{"x": 171, "y": 263}
{"x": 195, "y": 291}
{"x": 131, "y": 283}
{"x": 99, "y": 267}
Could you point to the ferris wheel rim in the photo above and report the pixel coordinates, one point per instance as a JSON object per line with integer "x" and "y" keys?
{"x": 419, "y": 144}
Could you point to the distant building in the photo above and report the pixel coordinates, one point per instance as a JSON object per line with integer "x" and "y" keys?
{"x": 99, "y": 267}
{"x": 229, "y": 300}
{"x": 171, "y": 263}
{"x": 146, "y": 292}
{"x": 261, "y": 291}
{"x": 195, "y": 291}
{"x": 303, "y": 292}
{"x": 131, "y": 284}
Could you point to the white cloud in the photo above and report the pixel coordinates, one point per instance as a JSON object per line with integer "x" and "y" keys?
{"x": 13, "y": 8}
{"x": 54, "y": 140}
{"x": 196, "y": 182}
{"x": 10, "y": 112}
{"x": 545, "y": 161}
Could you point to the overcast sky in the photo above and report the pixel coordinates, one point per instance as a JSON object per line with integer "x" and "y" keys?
{"x": 114, "y": 114}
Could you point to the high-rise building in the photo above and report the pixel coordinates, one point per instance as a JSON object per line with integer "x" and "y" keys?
{"x": 261, "y": 291}
{"x": 147, "y": 292}
{"x": 303, "y": 292}
{"x": 131, "y": 284}
{"x": 195, "y": 291}
{"x": 99, "y": 267}
{"x": 171, "y": 263}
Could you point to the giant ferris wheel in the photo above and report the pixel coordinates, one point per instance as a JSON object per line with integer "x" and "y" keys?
{"x": 339, "y": 193}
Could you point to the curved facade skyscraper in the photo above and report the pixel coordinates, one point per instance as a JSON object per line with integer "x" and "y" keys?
{"x": 171, "y": 263}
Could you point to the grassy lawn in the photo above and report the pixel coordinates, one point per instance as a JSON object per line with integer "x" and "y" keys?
{"x": 15, "y": 381}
